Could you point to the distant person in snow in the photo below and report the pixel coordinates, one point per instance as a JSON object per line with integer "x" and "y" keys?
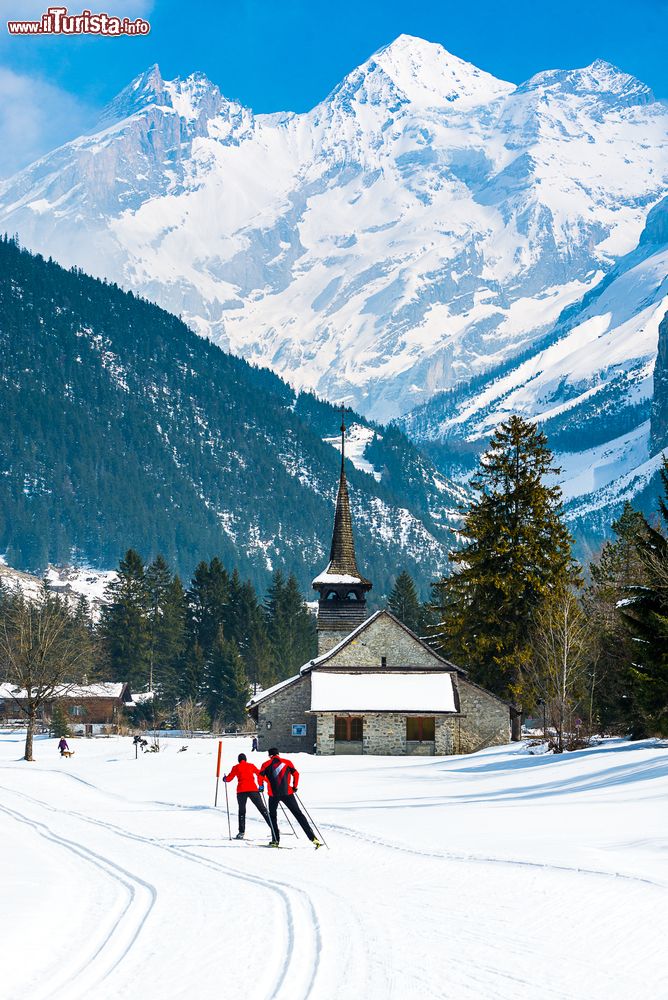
{"x": 254, "y": 745}
{"x": 282, "y": 779}
{"x": 249, "y": 786}
{"x": 64, "y": 748}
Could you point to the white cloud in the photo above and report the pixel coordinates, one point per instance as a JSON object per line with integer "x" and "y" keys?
{"x": 35, "y": 116}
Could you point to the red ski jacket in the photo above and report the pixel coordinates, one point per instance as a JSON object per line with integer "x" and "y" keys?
{"x": 247, "y": 775}
{"x": 281, "y": 775}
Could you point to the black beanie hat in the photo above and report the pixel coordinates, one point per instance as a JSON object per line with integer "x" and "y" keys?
{"x": 242, "y": 756}
{"x": 273, "y": 751}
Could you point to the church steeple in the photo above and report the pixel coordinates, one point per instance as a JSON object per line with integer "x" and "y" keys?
{"x": 342, "y": 588}
{"x": 342, "y": 560}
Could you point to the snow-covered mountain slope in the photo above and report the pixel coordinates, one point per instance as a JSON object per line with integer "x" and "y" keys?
{"x": 590, "y": 385}
{"x": 357, "y": 439}
{"x": 423, "y": 224}
{"x": 71, "y": 582}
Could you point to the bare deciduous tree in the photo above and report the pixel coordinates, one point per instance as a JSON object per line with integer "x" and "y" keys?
{"x": 192, "y": 716}
{"x": 43, "y": 653}
{"x": 559, "y": 668}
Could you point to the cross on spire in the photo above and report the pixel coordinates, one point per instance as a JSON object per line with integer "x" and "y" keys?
{"x": 343, "y": 433}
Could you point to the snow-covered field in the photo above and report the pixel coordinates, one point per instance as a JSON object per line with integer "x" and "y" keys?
{"x": 499, "y": 875}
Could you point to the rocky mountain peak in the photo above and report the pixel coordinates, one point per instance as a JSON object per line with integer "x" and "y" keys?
{"x": 146, "y": 89}
{"x": 601, "y": 81}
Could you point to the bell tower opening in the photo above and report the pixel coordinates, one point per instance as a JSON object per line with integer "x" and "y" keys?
{"x": 341, "y": 587}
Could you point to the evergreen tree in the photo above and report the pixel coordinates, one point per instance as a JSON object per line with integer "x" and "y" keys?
{"x": 248, "y": 629}
{"x": 82, "y": 614}
{"x": 516, "y": 552}
{"x": 192, "y": 672}
{"x": 290, "y": 627}
{"x": 226, "y": 684}
{"x": 125, "y": 624}
{"x": 302, "y": 624}
{"x": 60, "y": 723}
{"x": 404, "y": 603}
{"x": 614, "y": 697}
{"x": 208, "y": 601}
{"x": 647, "y": 618}
{"x": 167, "y": 624}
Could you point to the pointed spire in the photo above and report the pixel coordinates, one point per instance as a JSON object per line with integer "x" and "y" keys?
{"x": 342, "y": 560}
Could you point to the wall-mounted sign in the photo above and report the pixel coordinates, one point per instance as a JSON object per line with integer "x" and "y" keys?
{"x": 299, "y": 730}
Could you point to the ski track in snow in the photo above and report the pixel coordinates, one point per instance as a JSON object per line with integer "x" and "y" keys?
{"x": 351, "y": 922}
{"x": 125, "y": 927}
{"x": 477, "y": 859}
{"x": 301, "y": 919}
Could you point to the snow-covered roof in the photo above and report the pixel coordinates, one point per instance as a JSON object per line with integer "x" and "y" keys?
{"x": 343, "y": 578}
{"x": 104, "y": 689}
{"x": 261, "y": 695}
{"x": 143, "y": 698}
{"x": 378, "y": 692}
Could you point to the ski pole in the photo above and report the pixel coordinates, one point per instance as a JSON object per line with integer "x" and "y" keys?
{"x": 294, "y": 832}
{"x": 310, "y": 819}
{"x": 220, "y": 751}
{"x": 285, "y": 813}
{"x": 227, "y": 806}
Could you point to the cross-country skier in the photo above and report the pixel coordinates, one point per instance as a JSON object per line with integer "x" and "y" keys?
{"x": 250, "y": 785}
{"x": 282, "y": 779}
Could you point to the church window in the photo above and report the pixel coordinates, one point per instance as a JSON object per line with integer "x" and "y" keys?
{"x": 420, "y": 729}
{"x": 383, "y": 661}
{"x": 348, "y": 729}
{"x": 332, "y": 596}
{"x": 352, "y": 595}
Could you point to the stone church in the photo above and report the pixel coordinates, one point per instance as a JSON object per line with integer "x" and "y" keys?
{"x": 374, "y": 687}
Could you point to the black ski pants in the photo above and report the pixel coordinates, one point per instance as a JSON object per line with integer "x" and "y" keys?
{"x": 292, "y": 806}
{"x": 256, "y": 799}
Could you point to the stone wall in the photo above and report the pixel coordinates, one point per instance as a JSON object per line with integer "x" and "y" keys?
{"x": 283, "y": 709}
{"x": 328, "y": 638}
{"x": 325, "y": 731}
{"x": 385, "y": 734}
{"x": 384, "y": 637}
{"x": 485, "y": 720}
{"x": 446, "y": 736}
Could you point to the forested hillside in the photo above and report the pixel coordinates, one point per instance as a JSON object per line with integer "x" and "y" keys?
{"x": 122, "y": 427}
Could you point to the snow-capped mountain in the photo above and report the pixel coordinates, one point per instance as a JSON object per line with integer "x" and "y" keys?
{"x": 423, "y": 224}
{"x": 590, "y": 383}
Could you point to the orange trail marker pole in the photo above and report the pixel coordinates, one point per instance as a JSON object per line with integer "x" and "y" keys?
{"x": 220, "y": 753}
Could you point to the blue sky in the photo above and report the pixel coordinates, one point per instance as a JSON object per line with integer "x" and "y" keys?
{"x": 287, "y": 55}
